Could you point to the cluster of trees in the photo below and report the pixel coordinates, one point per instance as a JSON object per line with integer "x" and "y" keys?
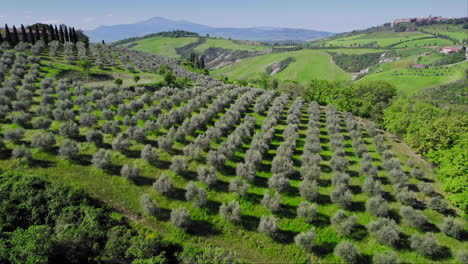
{"x": 355, "y": 63}
{"x": 43, "y": 32}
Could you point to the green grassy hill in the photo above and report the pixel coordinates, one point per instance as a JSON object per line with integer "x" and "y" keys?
{"x": 234, "y": 144}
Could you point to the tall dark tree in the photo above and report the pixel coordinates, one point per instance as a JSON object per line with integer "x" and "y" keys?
{"x": 24, "y": 37}
{"x": 57, "y": 34}
{"x": 62, "y": 35}
{"x": 31, "y": 35}
{"x": 1, "y": 38}
{"x": 15, "y": 37}
{"x": 202, "y": 62}
{"x": 73, "y": 35}
{"x": 45, "y": 36}
{"x": 7, "y": 34}
{"x": 67, "y": 36}
{"x": 52, "y": 33}
{"x": 37, "y": 35}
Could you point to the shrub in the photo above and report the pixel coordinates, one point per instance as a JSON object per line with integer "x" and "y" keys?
{"x": 377, "y": 206}
{"x": 341, "y": 196}
{"x": 414, "y": 218}
{"x": 347, "y": 252}
{"x": 215, "y": 159}
{"x": 14, "y": 135}
{"x": 307, "y": 211}
{"x": 425, "y": 245}
{"x": 101, "y": 159}
{"x": 426, "y": 188}
{"x": 306, "y": 240}
{"x": 231, "y": 211}
{"x": 163, "y": 185}
{"x": 343, "y": 223}
{"x": 148, "y": 154}
{"x": 22, "y": 153}
{"x": 88, "y": 120}
{"x": 310, "y": 172}
{"x": 385, "y": 231}
{"x": 95, "y": 136}
{"x": 148, "y": 205}
{"x": 130, "y": 171}
{"x": 268, "y": 226}
{"x": 121, "y": 143}
{"x": 309, "y": 190}
{"x": 238, "y": 186}
{"x": 387, "y": 257}
{"x": 44, "y": 141}
{"x": 418, "y": 173}
{"x": 438, "y": 204}
{"x": 179, "y": 165}
{"x": 452, "y": 228}
{"x": 272, "y": 203}
{"x": 406, "y": 197}
{"x": 69, "y": 149}
{"x": 69, "y": 129}
{"x": 246, "y": 170}
{"x": 372, "y": 187}
{"x": 180, "y": 218}
{"x": 207, "y": 175}
{"x": 279, "y": 182}
{"x": 42, "y": 123}
{"x": 197, "y": 194}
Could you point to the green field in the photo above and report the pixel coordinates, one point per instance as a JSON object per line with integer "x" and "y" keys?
{"x": 309, "y": 64}
{"x": 425, "y": 42}
{"x": 227, "y": 44}
{"x": 452, "y": 31}
{"x": 162, "y": 45}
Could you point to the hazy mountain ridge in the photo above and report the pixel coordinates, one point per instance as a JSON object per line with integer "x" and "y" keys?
{"x": 158, "y": 24}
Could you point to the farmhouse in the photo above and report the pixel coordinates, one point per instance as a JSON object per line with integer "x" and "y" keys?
{"x": 448, "y": 50}
{"x": 419, "y": 66}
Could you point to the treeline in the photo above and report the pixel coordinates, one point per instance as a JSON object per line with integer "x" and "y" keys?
{"x": 353, "y": 62}
{"x": 195, "y": 63}
{"x": 44, "y": 222}
{"x": 435, "y": 123}
{"x": 168, "y": 34}
{"x": 47, "y": 33}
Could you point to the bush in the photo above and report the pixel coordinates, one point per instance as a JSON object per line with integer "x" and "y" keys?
{"x": 69, "y": 149}
{"x": 406, "y": 197}
{"x": 148, "y": 205}
{"x": 163, "y": 185}
{"x": 179, "y": 165}
{"x": 347, "y": 252}
{"x": 418, "y": 173}
{"x": 278, "y": 182}
{"x": 95, "y": 136}
{"x": 207, "y": 175}
{"x": 44, "y": 141}
{"x": 426, "y": 188}
{"x": 148, "y": 154}
{"x": 377, "y": 206}
{"x": 231, "y": 211}
{"x": 310, "y": 172}
{"x": 307, "y": 211}
{"x": 69, "y": 129}
{"x": 344, "y": 224}
{"x": 197, "y": 194}
{"x": 215, "y": 159}
{"x": 102, "y": 159}
{"x": 268, "y": 226}
{"x": 42, "y": 123}
{"x": 180, "y": 218}
{"x": 372, "y": 187}
{"x": 121, "y": 143}
{"x": 246, "y": 170}
{"x": 387, "y": 257}
{"x": 414, "y": 218}
{"x": 14, "y": 135}
{"x": 438, "y": 204}
{"x": 309, "y": 190}
{"x": 22, "y": 153}
{"x": 341, "y": 196}
{"x": 452, "y": 228}
{"x": 385, "y": 231}
{"x": 425, "y": 245}
{"x": 130, "y": 171}
{"x": 238, "y": 186}
{"x": 306, "y": 240}
{"x": 272, "y": 203}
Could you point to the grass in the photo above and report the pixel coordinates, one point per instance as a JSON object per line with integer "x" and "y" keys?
{"x": 381, "y": 39}
{"x": 425, "y": 42}
{"x": 309, "y": 64}
{"x": 452, "y": 31}
{"x": 163, "y": 46}
{"x": 227, "y": 44}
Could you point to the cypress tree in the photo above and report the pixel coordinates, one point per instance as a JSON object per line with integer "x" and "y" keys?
{"x": 1, "y": 38}
{"x": 31, "y": 35}
{"x": 7, "y": 34}
{"x": 75, "y": 37}
{"x": 57, "y": 36}
{"x": 15, "y": 38}
{"x": 23, "y": 34}
{"x": 36, "y": 33}
{"x": 202, "y": 62}
{"x": 52, "y": 33}
{"x": 45, "y": 36}
{"x": 67, "y": 36}
{"x": 62, "y": 36}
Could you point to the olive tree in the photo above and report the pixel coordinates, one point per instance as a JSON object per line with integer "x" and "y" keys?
{"x": 309, "y": 190}
{"x": 377, "y": 206}
{"x": 130, "y": 171}
{"x": 306, "y": 240}
{"x": 347, "y": 252}
{"x": 196, "y": 194}
{"x": 231, "y": 211}
{"x": 385, "y": 231}
{"x": 387, "y": 257}
{"x": 101, "y": 159}
{"x": 307, "y": 211}
{"x": 272, "y": 203}
{"x": 69, "y": 149}
{"x": 268, "y": 226}
{"x": 414, "y": 218}
{"x": 426, "y": 245}
{"x": 238, "y": 186}
{"x": 148, "y": 154}
{"x": 148, "y": 205}
{"x": 163, "y": 185}
{"x": 179, "y": 164}
{"x": 452, "y": 228}
{"x": 180, "y": 218}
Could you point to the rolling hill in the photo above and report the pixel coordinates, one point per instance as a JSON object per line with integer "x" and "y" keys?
{"x": 159, "y": 24}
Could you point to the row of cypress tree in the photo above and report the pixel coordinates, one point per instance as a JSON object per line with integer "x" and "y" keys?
{"x": 42, "y": 32}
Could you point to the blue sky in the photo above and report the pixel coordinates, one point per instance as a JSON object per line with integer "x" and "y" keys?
{"x": 328, "y": 15}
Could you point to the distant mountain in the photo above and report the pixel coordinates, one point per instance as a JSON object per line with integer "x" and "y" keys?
{"x": 159, "y": 24}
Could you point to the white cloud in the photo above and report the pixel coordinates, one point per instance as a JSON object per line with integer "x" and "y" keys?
{"x": 89, "y": 19}
{"x": 109, "y": 15}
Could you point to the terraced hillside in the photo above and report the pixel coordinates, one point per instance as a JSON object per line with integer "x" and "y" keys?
{"x": 272, "y": 178}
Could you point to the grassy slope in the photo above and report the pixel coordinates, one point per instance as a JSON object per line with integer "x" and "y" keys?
{"x": 227, "y": 44}
{"x": 162, "y": 45}
{"x": 453, "y": 31}
{"x": 309, "y": 64}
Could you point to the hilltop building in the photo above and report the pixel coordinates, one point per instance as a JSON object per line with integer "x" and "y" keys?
{"x": 419, "y": 19}
{"x": 448, "y": 50}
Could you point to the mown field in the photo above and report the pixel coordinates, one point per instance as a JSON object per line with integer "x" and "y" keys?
{"x": 253, "y": 152}
{"x": 162, "y": 45}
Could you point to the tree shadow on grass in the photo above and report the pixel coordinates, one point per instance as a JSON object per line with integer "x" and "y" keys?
{"x": 34, "y": 163}
{"x": 163, "y": 214}
{"x": 324, "y": 182}
{"x": 162, "y": 164}
{"x": 260, "y": 182}
{"x": 355, "y": 189}
{"x": 285, "y": 236}
{"x": 287, "y": 211}
{"x": 202, "y": 228}
{"x": 114, "y": 169}
{"x": 430, "y": 227}
{"x": 250, "y": 222}
{"x": 5, "y": 154}
{"x": 393, "y": 214}
{"x": 83, "y": 159}
{"x": 357, "y": 207}
{"x": 325, "y": 168}
{"x": 129, "y": 153}
{"x": 359, "y": 233}
{"x": 228, "y": 170}
{"x": 213, "y": 207}
{"x": 177, "y": 193}
{"x": 189, "y": 175}
{"x": 323, "y": 199}
{"x": 220, "y": 186}
{"x": 252, "y": 198}
{"x": 142, "y": 180}
{"x": 292, "y": 191}
{"x": 324, "y": 248}
{"x": 388, "y": 196}
{"x": 321, "y": 220}
{"x": 444, "y": 252}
